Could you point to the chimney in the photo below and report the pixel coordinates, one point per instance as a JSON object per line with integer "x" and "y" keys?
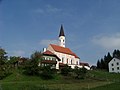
{"x": 44, "y": 49}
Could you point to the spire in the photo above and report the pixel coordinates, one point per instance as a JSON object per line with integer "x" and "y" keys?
{"x": 61, "y": 31}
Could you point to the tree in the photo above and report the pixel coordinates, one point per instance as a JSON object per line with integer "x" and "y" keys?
{"x": 31, "y": 67}
{"x": 98, "y": 64}
{"x": 116, "y": 54}
{"x": 3, "y": 56}
{"x": 4, "y": 69}
{"x": 13, "y": 61}
{"x": 107, "y": 59}
{"x": 103, "y": 63}
{"x": 47, "y": 72}
{"x": 36, "y": 56}
{"x": 65, "y": 70}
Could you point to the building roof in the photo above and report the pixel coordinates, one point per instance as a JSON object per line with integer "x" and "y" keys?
{"x": 114, "y": 59}
{"x": 61, "y": 31}
{"x": 63, "y": 50}
{"x": 49, "y": 53}
{"x": 84, "y": 64}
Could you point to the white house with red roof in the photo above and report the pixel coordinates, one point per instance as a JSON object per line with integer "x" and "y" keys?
{"x": 49, "y": 58}
{"x": 65, "y": 55}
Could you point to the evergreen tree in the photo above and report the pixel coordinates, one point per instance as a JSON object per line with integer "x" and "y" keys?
{"x": 103, "y": 63}
{"x": 107, "y": 60}
{"x": 118, "y": 54}
{"x": 98, "y": 64}
{"x": 114, "y": 53}
{"x": 102, "y": 66}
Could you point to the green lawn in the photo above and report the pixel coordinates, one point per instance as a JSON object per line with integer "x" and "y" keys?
{"x": 105, "y": 76}
{"x": 113, "y": 86}
{"x": 96, "y": 80}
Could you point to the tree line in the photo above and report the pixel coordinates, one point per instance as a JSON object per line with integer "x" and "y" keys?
{"x": 103, "y": 62}
{"x": 30, "y": 66}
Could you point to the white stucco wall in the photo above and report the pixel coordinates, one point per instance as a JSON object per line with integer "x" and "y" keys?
{"x": 113, "y": 66}
{"x": 62, "y": 41}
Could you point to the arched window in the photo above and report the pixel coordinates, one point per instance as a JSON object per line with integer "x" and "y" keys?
{"x": 76, "y": 62}
{"x": 62, "y": 59}
{"x": 67, "y": 61}
{"x": 71, "y": 61}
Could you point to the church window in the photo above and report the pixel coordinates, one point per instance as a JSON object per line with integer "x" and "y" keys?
{"x": 67, "y": 61}
{"x": 71, "y": 61}
{"x": 62, "y": 59}
{"x": 77, "y": 62}
{"x": 53, "y": 59}
{"x": 44, "y": 58}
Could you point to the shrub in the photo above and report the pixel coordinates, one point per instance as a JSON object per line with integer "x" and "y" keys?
{"x": 65, "y": 71}
{"x": 80, "y": 72}
{"x": 47, "y": 72}
{"x": 4, "y": 71}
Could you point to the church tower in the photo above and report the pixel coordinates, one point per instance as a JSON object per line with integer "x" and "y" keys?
{"x": 62, "y": 37}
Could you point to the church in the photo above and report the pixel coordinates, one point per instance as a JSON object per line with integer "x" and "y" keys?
{"x": 62, "y": 54}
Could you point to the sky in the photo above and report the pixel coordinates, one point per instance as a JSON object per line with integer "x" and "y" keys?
{"x": 92, "y": 27}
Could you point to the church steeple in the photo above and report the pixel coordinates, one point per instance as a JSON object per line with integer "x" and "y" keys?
{"x": 61, "y": 31}
{"x": 62, "y": 37}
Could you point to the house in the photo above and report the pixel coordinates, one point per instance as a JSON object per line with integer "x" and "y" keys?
{"x": 48, "y": 58}
{"x": 114, "y": 65}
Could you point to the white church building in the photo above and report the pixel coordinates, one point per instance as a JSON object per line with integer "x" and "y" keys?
{"x": 65, "y": 55}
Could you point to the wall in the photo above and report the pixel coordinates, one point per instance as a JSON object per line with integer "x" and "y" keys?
{"x": 114, "y": 61}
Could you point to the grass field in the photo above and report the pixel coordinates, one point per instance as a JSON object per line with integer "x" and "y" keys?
{"x": 96, "y": 80}
{"x": 113, "y": 86}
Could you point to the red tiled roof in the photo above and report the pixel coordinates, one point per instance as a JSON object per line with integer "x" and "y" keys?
{"x": 63, "y": 50}
{"x": 75, "y": 55}
{"x": 48, "y": 53}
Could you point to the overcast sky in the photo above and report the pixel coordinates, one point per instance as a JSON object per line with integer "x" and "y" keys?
{"x": 92, "y": 27}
